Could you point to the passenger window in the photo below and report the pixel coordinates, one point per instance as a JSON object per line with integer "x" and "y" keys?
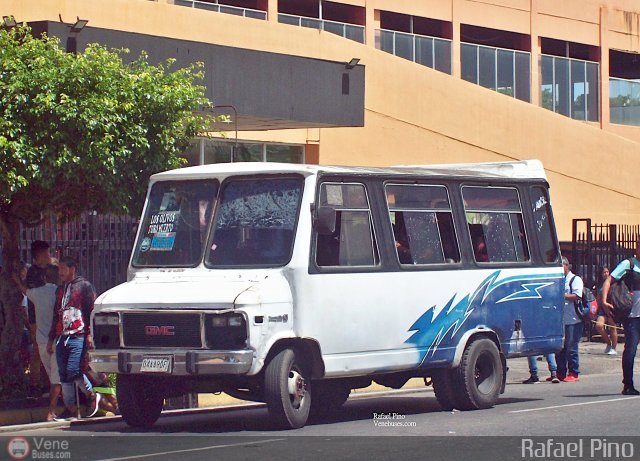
{"x": 353, "y": 242}
{"x": 496, "y": 225}
{"x": 422, "y": 224}
{"x": 542, "y": 218}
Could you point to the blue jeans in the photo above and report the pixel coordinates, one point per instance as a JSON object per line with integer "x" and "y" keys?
{"x": 568, "y": 357}
{"x": 551, "y": 362}
{"x": 69, "y": 353}
{"x": 631, "y": 337}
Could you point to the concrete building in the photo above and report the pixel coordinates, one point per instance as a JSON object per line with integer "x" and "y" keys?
{"x": 384, "y": 82}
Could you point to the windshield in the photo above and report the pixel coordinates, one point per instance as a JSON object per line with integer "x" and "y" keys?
{"x": 255, "y": 222}
{"x": 175, "y": 223}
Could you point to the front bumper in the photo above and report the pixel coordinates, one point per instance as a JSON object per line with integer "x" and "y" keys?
{"x": 185, "y": 363}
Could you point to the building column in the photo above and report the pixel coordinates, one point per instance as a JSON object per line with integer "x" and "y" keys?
{"x": 272, "y": 10}
{"x": 536, "y": 51}
{"x": 372, "y": 23}
{"x": 456, "y": 7}
{"x": 605, "y": 114}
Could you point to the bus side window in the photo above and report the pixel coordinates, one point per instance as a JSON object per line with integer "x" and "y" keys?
{"x": 353, "y": 242}
{"x": 496, "y": 225}
{"x": 422, "y": 224}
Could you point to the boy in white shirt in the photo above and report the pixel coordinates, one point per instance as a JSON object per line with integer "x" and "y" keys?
{"x": 43, "y": 298}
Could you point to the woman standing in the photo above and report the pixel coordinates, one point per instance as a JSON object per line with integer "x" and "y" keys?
{"x": 605, "y": 325}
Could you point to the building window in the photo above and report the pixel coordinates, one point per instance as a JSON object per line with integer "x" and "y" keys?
{"x": 624, "y": 87}
{"x": 256, "y": 9}
{"x": 221, "y": 151}
{"x": 496, "y": 59}
{"x": 502, "y": 70}
{"x": 570, "y": 87}
{"x": 569, "y": 79}
{"x": 192, "y": 155}
{"x": 421, "y": 40}
{"x": 337, "y": 18}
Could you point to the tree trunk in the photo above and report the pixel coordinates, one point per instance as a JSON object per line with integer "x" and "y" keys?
{"x": 12, "y": 380}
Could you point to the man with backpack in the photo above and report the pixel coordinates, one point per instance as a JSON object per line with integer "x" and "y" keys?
{"x": 568, "y": 359}
{"x": 631, "y": 269}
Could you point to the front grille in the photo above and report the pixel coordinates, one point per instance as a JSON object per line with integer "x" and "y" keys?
{"x": 152, "y": 329}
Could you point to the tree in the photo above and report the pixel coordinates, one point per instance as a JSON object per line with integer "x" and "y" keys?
{"x": 80, "y": 132}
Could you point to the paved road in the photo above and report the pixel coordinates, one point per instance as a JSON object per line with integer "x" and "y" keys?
{"x": 591, "y": 410}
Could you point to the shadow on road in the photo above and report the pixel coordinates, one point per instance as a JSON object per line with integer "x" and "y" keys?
{"x": 256, "y": 420}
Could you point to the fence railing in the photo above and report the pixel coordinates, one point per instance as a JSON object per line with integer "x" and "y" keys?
{"x": 246, "y": 12}
{"x": 351, "y": 31}
{"x": 101, "y": 243}
{"x": 597, "y": 245}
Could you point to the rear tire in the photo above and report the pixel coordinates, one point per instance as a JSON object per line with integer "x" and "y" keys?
{"x": 478, "y": 379}
{"x": 139, "y": 400}
{"x": 444, "y": 388}
{"x": 288, "y": 390}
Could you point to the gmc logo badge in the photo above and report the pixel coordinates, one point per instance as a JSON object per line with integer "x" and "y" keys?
{"x": 154, "y": 330}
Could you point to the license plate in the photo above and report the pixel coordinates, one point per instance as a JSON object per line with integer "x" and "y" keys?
{"x": 157, "y": 364}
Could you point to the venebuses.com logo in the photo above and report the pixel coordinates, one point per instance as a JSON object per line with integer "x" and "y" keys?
{"x": 38, "y": 448}
{"x": 18, "y": 448}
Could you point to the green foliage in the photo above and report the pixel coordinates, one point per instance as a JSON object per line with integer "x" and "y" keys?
{"x": 85, "y": 131}
{"x": 547, "y": 99}
{"x": 623, "y": 100}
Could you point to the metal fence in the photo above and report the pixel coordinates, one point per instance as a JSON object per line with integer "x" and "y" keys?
{"x": 101, "y": 243}
{"x": 595, "y": 245}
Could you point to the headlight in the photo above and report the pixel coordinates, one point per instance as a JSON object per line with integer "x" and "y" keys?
{"x": 106, "y": 319}
{"x": 235, "y": 321}
{"x": 226, "y": 331}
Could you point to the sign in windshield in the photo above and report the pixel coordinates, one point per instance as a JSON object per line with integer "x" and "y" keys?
{"x": 174, "y": 227}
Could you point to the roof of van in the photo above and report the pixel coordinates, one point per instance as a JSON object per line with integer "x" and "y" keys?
{"x": 523, "y": 169}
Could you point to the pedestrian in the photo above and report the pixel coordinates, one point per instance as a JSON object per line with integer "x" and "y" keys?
{"x": 43, "y": 298}
{"x": 36, "y": 278}
{"x": 568, "y": 358}
{"x": 71, "y": 331}
{"x": 631, "y": 324}
{"x": 26, "y": 347}
{"x": 605, "y": 324}
{"x": 533, "y": 369}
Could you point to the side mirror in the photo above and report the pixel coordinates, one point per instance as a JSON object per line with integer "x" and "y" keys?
{"x": 325, "y": 222}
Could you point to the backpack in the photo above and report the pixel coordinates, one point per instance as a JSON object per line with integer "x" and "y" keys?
{"x": 620, "y": 296}
{"x": 583, "y": 305}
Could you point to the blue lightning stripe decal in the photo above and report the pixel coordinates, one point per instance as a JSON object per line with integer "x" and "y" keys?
{"x": 431, "y": 331}
{"x": 436, "y": 326}
{"x": 529, "y": 291}
{"x": 523, "y": 278}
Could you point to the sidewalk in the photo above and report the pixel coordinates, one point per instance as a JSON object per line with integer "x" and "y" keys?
{"x": 592, "y": 361}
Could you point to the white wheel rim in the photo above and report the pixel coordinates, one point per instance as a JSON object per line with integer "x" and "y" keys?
{"x": 296, "y": 387}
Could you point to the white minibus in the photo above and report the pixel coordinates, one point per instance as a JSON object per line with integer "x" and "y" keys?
{"x": 294, "y": 284}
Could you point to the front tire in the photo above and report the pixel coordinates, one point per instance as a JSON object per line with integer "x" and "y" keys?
{"x": 288, "y": 390}
{"x": 478, "y": 379}
{"x": 139, "y": 400}
{"x": 328, "y": 396}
